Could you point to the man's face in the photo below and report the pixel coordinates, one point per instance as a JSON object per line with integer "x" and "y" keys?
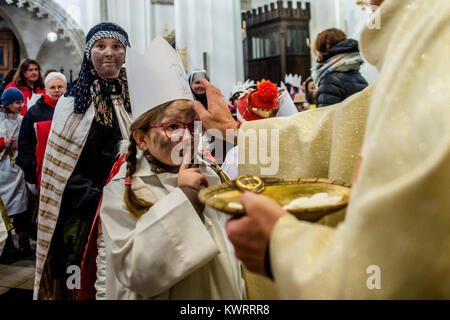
{"x": 108, "y": 57}
{"x": 32, "y": 73}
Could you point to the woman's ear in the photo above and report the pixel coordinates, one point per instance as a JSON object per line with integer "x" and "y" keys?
{"x": 140, "y": 138}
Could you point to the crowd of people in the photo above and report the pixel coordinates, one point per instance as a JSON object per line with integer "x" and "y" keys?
{"x": 28, "y": 102}
{"x": 105, "y": 176}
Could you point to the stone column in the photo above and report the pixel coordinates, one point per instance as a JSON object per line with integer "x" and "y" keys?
{"x": 134, "y": 16}
{"x": 213, "y": 27}
{"x": 163, "y": 15}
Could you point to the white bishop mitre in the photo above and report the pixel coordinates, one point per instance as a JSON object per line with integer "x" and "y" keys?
{"x": 155, "y": 77}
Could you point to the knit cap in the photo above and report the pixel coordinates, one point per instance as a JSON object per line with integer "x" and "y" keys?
{"x": 11, "y": 95}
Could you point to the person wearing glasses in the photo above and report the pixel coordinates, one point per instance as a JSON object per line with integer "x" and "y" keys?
{"x": 158, "y": 241}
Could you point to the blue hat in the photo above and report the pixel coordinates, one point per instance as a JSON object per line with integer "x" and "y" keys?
{"x": 11, "y": 95}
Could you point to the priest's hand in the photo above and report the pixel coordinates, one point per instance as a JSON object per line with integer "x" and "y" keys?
{"x": 250, "y": 234}
{"x": 218, "y": 115}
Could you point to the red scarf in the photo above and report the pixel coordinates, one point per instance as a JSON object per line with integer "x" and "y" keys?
{"x": 51, "y": 102}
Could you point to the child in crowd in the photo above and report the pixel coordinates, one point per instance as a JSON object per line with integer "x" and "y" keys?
{"x": 13, "y": 190}
{"x": 157, "y": 240}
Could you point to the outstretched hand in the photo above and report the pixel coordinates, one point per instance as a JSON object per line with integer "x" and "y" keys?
{"x": 218, "y": 115}
{"x": 250, "y": 234}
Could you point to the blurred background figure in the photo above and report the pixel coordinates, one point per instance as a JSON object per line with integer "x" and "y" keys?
{"x": 36, "y": 128}
{"x": 258, "y": 103}
{"x": 299, "y": 101}
{"x": 310, "y": 93}
{"x": 197, "y": 88}
{"x": 29, "y": 80}
{"x": 7, "y": 80}
{"x": 337, "y": 73}
{"x": 237, "y": 91}
{"x": 292, "y": 83}
{"x": 33, "y": 137}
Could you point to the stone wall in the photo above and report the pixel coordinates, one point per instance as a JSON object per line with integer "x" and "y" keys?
{"x": 31, "y": 33}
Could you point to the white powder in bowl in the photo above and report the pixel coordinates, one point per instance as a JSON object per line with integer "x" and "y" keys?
{"x": 317, "y": 200}
{"x": 235, "y": 205}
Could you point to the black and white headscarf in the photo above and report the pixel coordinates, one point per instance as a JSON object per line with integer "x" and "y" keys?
{"x": 81, "y": 88}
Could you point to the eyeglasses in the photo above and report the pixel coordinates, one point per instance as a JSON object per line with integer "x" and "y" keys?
{"x": 175, "y": 129}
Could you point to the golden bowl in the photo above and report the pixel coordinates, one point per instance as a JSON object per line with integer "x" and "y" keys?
{"x": 282, "y": 191}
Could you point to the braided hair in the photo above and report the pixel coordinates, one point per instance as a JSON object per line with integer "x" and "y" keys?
{"x": 136, "y": 205}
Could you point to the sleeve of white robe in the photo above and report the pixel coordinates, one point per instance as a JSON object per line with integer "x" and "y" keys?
{"x": 166, "y": 244}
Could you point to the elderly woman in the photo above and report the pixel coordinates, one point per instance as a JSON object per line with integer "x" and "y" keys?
{"x": 31, "y": 145}
{"x": 36, "y": 128}
{"x": 88, "y": 124}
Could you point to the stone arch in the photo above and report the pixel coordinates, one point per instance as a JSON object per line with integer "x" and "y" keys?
{"x": 64, "y": 24}
{"x": 15, "y": 31}
{"x": 31, "y": 21}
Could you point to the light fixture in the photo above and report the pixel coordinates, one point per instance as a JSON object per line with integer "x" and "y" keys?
{"x": 52, "y": 36}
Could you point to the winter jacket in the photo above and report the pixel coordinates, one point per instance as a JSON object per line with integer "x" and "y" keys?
{"x": 27, "y": 93}
{"x": 336, "y": 86}
{"x": 33, "y": 140}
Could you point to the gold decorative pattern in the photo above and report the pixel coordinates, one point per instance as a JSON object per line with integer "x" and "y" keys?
{"x": 5, "y": 216}
{"x": 250, "y": 183}
{"x": 184, "y": 57}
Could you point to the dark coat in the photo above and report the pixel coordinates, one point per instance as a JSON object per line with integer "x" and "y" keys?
{"x": 337, "y": 86}
{"x": 33, "y": 140}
